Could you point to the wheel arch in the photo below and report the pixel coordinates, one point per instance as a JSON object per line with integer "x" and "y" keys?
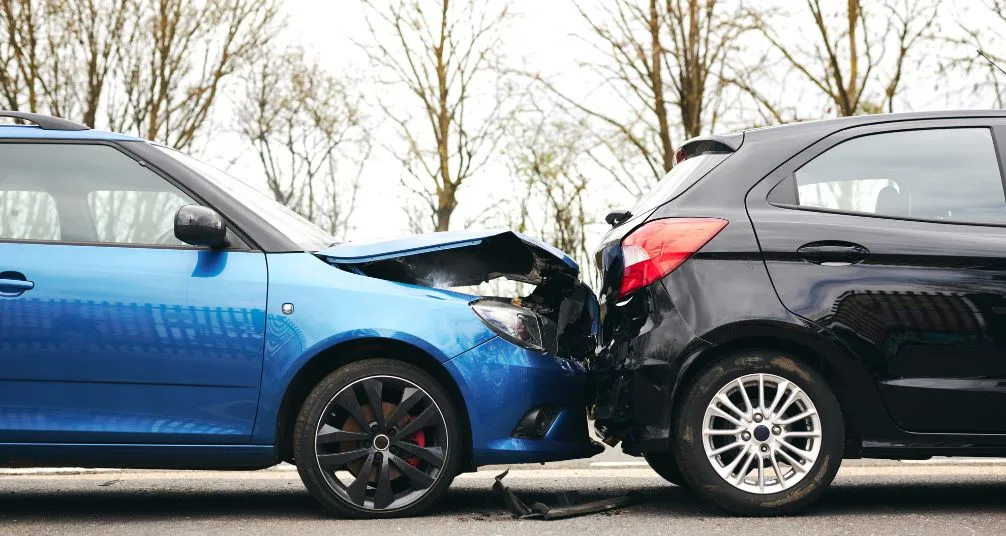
{"x": 847, "y": 377}
{"x": 343, "y": 353}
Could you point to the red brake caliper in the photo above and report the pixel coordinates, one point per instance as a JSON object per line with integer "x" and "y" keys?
{"x": 419, "y": 438}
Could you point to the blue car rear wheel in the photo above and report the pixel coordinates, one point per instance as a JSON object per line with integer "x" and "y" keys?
{"x": 377, "y": 438}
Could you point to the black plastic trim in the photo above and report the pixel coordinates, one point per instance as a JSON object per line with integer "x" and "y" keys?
{"x": 252, "y": 227}
{"x": 45, "y": 122}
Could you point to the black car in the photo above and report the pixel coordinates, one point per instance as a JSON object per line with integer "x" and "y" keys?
{"x": 791, "y": 296}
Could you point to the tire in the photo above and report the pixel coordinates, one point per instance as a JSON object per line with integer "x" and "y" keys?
{"x": 782, "y": 486}
{"x": 409, "y": 459}
{"x": 665, "y": 466}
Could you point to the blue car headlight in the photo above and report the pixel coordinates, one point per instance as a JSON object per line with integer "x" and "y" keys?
{"x": 515, "y": 324}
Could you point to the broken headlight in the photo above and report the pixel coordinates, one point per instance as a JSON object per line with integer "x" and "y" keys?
{"x": 515, "y": 324}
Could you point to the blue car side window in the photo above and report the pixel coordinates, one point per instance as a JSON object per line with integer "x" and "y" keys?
{"x": 28, "y": 215}
{"x": 84, "y": 193}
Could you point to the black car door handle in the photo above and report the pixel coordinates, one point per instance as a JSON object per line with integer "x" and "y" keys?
{"x": 833, "y": 253}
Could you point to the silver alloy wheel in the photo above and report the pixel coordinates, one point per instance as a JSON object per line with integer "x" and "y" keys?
{"x": 381, "y": 443}
{"x": 761, "y": 433}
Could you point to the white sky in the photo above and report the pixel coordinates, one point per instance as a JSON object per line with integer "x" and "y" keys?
{"x": 541, "y": 34}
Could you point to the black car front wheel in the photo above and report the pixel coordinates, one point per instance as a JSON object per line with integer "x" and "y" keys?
{"x": 759, "y": 433}
{"x": 377, "y": 438}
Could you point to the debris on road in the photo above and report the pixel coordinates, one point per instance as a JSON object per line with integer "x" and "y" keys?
{"x": 568, "y": 506}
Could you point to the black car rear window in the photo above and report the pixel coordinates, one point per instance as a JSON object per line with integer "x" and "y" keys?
{"x": 677, "y": 180}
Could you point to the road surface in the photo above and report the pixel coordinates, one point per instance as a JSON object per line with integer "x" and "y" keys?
{"x": 867, "y": 498}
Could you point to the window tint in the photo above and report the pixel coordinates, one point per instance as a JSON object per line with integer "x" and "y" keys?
{"x": 939, "y": 174}
{"x": 135, "y": 217}
{"x": 677, "y": 180}
{"x": 28, "y": 215}
{"x": 96, "y": 192}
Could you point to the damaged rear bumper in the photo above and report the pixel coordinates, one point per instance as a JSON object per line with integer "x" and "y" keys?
{"x": 523, "y": 381}
{"x": 646, "y": 344}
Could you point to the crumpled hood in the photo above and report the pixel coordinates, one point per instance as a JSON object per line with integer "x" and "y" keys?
{"x": 455, "y": 258}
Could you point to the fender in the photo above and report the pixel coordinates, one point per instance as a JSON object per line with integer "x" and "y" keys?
{"x": 865, "y": 413}
{"x": 329, "y": 306}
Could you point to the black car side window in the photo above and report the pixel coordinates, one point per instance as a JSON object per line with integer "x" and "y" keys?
{"x": 84, "y": 193}
{"x": 949, "y": 174}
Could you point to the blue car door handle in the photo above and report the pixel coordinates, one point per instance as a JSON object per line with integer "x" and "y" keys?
{"x": 14, "y": 283}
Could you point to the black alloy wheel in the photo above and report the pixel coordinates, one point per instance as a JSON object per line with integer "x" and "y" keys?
{"x": 375, "y": 439}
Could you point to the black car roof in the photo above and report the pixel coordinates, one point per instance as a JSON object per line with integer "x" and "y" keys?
{"x": 840, "y": 123}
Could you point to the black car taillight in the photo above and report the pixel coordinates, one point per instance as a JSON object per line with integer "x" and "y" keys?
{"x": 657, "y": 247}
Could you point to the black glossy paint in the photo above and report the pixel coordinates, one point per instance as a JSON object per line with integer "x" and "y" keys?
{"x": 905, "y": 319}
{"x": 200, "y": 226}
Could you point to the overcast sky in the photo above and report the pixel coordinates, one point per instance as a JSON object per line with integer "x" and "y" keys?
{"x": 541, "y": 34}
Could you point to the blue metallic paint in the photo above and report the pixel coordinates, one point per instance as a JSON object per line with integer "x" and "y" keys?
{"x": 333, "y": 306}
{"x": 129, "y": 390}
{"x": 353, "y": 252}
{"x": 501, "y": 382}
{"x": 181, "y": 357}
{"x": 125, "y": 344}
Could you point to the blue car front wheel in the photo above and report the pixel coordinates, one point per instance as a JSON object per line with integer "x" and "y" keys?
{"x": 377, "y": 438}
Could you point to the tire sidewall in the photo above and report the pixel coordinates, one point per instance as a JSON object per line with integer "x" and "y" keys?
{"x": 305, "y": 448}
{"x": 664, "y": 464}
{"x": 698, "y": 470}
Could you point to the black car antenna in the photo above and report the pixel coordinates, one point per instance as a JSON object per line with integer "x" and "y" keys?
{"x": 988, "y": 59}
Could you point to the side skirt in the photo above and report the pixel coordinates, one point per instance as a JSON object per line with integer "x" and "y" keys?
{"x": 924, "y": 446}
{"x": 125, "y": 456}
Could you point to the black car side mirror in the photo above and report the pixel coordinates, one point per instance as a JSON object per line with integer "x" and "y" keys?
{"x": 200, "y": 226}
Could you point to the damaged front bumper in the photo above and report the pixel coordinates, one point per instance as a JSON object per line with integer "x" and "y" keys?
{"x": 528, "y": 388}
{"x": 536, "y": 408}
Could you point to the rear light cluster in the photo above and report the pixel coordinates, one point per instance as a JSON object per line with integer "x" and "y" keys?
{"x": 657, "y": 247}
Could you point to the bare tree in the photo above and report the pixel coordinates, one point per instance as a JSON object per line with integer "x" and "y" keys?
{"x": 58, "y": 54}
{"x": 977, "y": 51}
{"x": 545, "y": 151}
{"x": 31, "y": 54}
{"x": 442, "y": 54}
{"x": 184, "y": 51}
{"x": 306, "y": 127}
{"x": 152, "y": 67}
{"x": 850, "y": 63}
{"x": 97, "y": 29}
{"x": 662, "y": 63}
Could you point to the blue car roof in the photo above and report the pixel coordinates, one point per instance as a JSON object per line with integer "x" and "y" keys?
{"x": 36, "y": 133}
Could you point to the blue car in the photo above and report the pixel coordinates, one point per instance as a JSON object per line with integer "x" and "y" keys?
{"x": 157, "y": 313}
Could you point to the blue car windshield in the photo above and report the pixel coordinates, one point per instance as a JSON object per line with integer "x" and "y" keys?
{"x": 305, "y": 234}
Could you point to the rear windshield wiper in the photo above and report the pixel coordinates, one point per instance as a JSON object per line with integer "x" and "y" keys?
{"x": 617, "y": 217}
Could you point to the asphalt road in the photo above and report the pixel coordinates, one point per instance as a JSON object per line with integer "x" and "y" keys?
{"x": 867, "y": 498}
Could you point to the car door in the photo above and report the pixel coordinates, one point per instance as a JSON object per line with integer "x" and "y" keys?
{"x": 112, "y": 330}
{"x": 893, "y": 238}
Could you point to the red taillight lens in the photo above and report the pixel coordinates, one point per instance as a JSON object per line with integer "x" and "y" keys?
{"x": 658, "y": 247}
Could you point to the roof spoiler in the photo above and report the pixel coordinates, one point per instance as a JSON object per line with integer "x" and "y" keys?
{"x": 717, "y": 143}
{"x": 45, "y": 122}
